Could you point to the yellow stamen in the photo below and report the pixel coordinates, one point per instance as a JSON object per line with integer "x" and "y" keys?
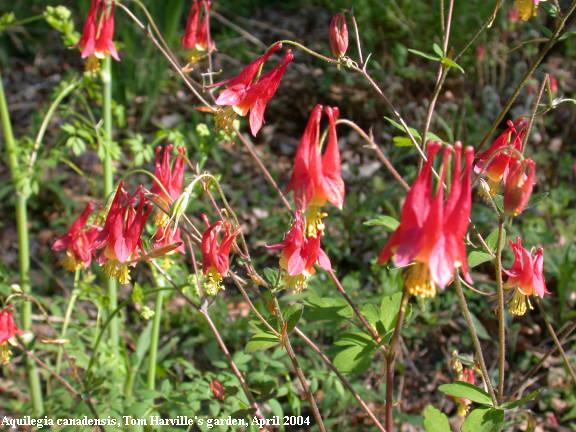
{"x": 519, "y": 303}
{"x": 224, "y": 118}
{"x": 92, "y": 64}
{"x": 213, "y": 282}
{"x": 418, "y": 281}
{"x": 5, "y": 354}
{"x": 120, "y": 271}
{"x": 314, "y": 224}
{"x": 70, "y": 263}
{"x": 296, "y": 284}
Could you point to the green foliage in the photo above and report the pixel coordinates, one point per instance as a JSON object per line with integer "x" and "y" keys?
{"x": 435, "y": 420}
{"x": 484, "y": 420}
{"x": 466, "y": 390}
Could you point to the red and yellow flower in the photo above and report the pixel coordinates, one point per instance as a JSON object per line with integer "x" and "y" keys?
{"x": 316, "y": 178}
{"x": 300, "y": 253}
{"x": 120, "y": 236}
{"x": 97, "y": 40}
{"x": 197, "y": 33}
{"x": 8, "y": 330}
{"x": 248, "y": 93}
{"x": 525, "y": 277}
{"x": 216, "y": 253}
{"x": 171, "y": 181}
{"x": 518, "y": 186}
{"x": 432, "y": 231}
{"x": 78, "y": 242}
{"x": 495, "y": 162}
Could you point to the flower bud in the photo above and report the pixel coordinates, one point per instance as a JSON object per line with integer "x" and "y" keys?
{"x": 518, "y": 186}
{"x": 338, "y": 35}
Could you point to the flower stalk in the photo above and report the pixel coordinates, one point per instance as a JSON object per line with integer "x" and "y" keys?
{"x": 155, "y": 336}
{"x": 21, "y": 189}
{"x": 111, "y": 284}
{"x": 501, "y": 315}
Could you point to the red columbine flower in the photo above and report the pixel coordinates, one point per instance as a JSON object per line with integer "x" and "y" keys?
{"x": 78, "y": 242}
{"x": 98, "y": 34}
{"x": 496, "y": 160}
{"x": 197, "y": 34}
{"x": 338, "y": 35}
{"x": 171, "y": 178}
{"x": 8, "y": 330}
{"x": 432, "y": 231}
{"x": 299, "y": 255}
{"x": 466, "y": 375}
{"x": 525, "y": 277}
{"x": 245, "y": 93}
{"x": 120, "y": 236}
{"x": 216, "y": 253}
{"x": 316, "y": 178}
{"x": 518, "y": 186}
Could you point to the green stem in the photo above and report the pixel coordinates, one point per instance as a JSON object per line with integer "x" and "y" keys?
{"x": 21, "y": 190}
{"x": 155, "y": 337}
{"x": 67, "y": 315}
{"x": 391, "y": 358}
{"x": 111, "y": 283}
{"x": 475, "y": 340}
{"x": 501, "y": 316}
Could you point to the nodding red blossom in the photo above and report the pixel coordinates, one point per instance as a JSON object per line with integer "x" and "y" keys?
{"x": 171, "y": 178}
{"x": 525, "y": 277}
{"x": 216, "y": 253}
{"x": 338, "y": 35}
{"x": 197, "y": 33}
{"x": 432, "y": 230}
{"x": 97, "y": 41}
{"x": 466, "y": 375}
{"x": 316, "y": 178}
{"x": 120, "y": 236}
{"x": 247, "y": 93}
{"x": 495, "y": 161}
{"x": 8, "y": 330}
{"x": 518, "y": 186}
{"x": 300, "y": 253}
{"x": 78, "y": 242}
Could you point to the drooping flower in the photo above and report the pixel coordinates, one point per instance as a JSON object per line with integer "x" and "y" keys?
{"x": 495, "y": 161}
{"x": 78, "y": 242}
{"x": 432, "y": 231}
{"x": 246, "y": 93}
{"x": 8, "y": 330}
{"x": 197, "y": 33}
{"x": 300, "y": 253}
{"x": 316, "y": 178}
{"x": 466, "y": 375}
{"x": 338, "y": 35}
{"x": 97, "y": 40}
{"x": 216, "y": 253}
{"x": 525, "y": 277}
{"x": 518, "y": 186}
{"x": 120, "y": 236}
{"x": 168, "y": 190}
{"x": 527, "y": 8}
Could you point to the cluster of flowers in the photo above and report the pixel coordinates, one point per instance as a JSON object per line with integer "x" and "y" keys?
{"x": 116, "y": 243}
{"x": 430, "y": 238}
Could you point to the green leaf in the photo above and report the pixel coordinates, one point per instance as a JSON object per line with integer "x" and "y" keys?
{"x": 423, "y": 54}
{"x": 356, "y": 353}
{"x": 327, "y": 309}
{"x": 466, "y": 390}
{"x": 480, "y": 329}
{"x": 402, "y": 141}
{"x": 389, "y": 309}
{"x": 476, "y": 258}
{"x": 484, "y": 420}
{"x": 388, "y": 222}
{"x": 492, "y": 239}
{"x": 435, "y": 420}
{"x": 261, "y": 341}
{"x": 520, "y": 402}
{"x": 292, "y": 315}
{"x": 438, "y": 50}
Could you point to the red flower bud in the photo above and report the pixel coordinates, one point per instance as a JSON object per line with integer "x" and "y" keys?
{"x": 218, "y": 389}
{"x": 518, "y": 186}
{"x": 338, "y": 35}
